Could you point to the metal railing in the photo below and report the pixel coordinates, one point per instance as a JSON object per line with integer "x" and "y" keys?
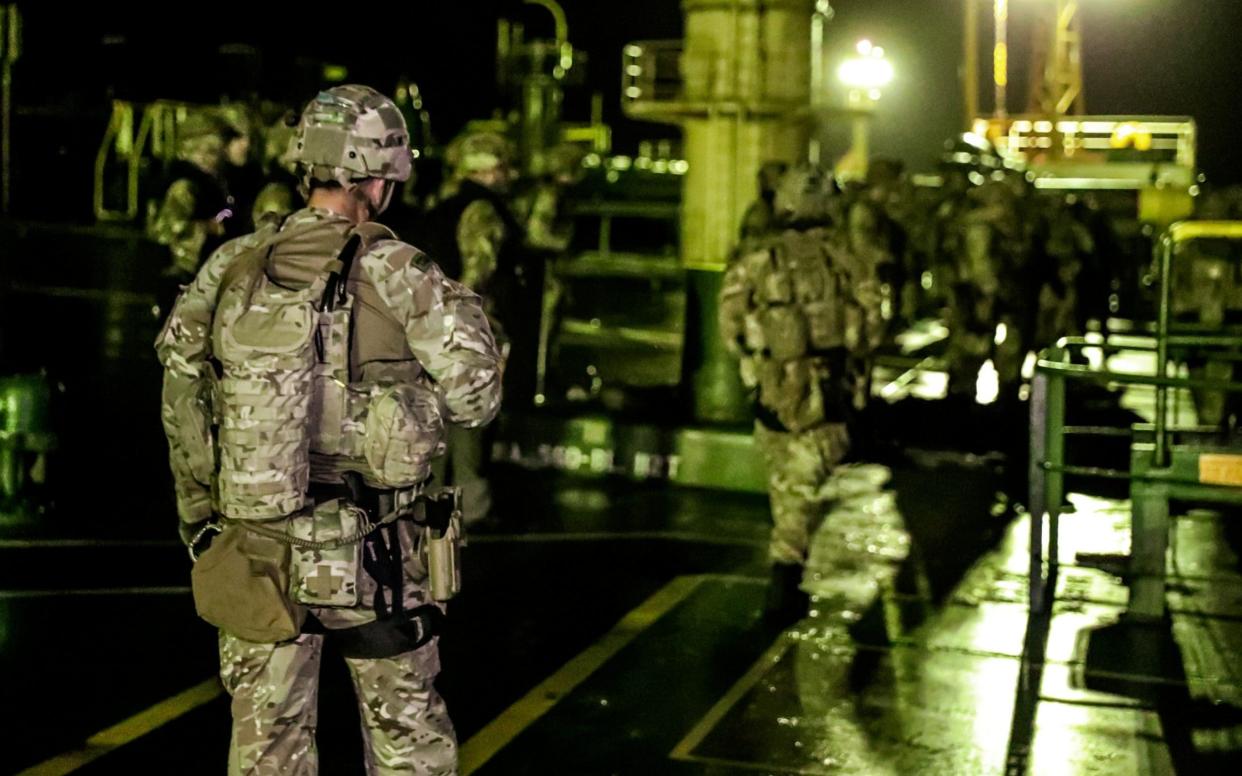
{"x": 1048, "y": 467}
{"x": 155, "y": 137}
{"x": 651, "y": 71}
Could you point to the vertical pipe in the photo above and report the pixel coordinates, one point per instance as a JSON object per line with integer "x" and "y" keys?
{"x": 970, "y": 58}
{"x": 819, "y": 85}
{"x": 1038, "y": 487}
{"x": 1000, "y": 56}
{"x": 10, "y": 50}
{"x": 1167, "y": 244}
{"x": 1055, "y": 483}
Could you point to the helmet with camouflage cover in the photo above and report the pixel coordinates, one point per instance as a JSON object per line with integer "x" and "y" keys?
{"x": 200, "y": 139}
{"x": 564, "y": 161}
{"x": 348, "y": 134}
{"x": 804, "y": 194}
{"x": 479, "y": 151}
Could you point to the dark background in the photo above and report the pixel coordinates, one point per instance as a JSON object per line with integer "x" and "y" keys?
{"x": 1141, "y": 57}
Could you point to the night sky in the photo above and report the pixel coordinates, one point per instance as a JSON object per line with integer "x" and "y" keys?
{"x": 1141, "y": 57}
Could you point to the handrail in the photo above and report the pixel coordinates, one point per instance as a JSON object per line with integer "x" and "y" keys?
{"x": 1047, "y": 444}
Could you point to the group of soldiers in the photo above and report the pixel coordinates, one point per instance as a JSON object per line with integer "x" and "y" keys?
{"x": 827, "y": 272}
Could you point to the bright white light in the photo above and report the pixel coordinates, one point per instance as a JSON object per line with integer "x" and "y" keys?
{"x": 864, "y": 47}
{"x": 1028, "y": 365}
{"x": 865, "y": 73}
{"x": 987, "y": 385}
{"x": 1002, "y": 332}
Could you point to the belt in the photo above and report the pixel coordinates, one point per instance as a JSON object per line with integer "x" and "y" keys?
{"x": 377, "y": 502}
{"x": 432, "y": 508}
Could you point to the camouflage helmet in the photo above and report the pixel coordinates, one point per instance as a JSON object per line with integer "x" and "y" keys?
{"x": 476, "y": 151}
{"x": 200, "y": 138}
{"x": 803, "y": 194}
{"x": 564, "y": 160}
{"x": 350, "y": 133}
{"x": 236, "y": 119}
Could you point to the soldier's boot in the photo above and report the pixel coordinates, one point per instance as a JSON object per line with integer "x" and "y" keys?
{"x": 787, "y": 603}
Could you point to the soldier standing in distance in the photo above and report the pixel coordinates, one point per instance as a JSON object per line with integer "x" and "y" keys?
{"x": 475, "y": 237}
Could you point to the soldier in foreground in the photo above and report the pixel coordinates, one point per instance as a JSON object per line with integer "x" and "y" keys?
{"x": 305, "y": 451}
{"x": 797, "y": 313}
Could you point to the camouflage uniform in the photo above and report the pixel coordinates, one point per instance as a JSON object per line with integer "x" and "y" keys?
{"x": 412, "y": 327}
{"x": 541, "y": 208}
{"x": 796, "y": 313}
{"x": 1067, "y": 246}
{"x": 990, "y": 287}
{"x": 476, "y": 237}
{"x": 195, "y": 213}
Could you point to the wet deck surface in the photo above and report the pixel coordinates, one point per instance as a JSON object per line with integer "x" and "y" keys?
{"x": 614, "y": 628}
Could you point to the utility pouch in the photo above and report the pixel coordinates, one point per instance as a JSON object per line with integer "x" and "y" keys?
{"x": 327, "y": 555}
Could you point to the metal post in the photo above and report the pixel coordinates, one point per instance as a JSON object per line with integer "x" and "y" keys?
{"x": 1037, "y": 500}
{"x": 1000, "y": 56}
{"x": 1149, "y": 544}
{"x": 970, "y": 68}
{"x": 10, "y": 50}
{"x": 1047, "y": 483}
{"x": 1056, "y": 459}
{"x": 819, "y": 77}
{"x": 1161, "y": 450}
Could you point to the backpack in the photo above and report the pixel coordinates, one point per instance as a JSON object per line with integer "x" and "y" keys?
{"x": 287, "y": 406}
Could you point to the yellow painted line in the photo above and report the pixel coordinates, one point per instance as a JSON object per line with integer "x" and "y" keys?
{"x": 602, "y": 536}
{"x": 685, "y": 748}
{"x": 483, "y": 745}
{"x": 771, "y": 770}
{"x": 133, "y": 728}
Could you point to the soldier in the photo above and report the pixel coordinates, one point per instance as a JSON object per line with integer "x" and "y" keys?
{"x": 796, "y": 312}
{"x": 990, "y": 306}
{"x": 1067, "y": 245}
{"x": 278, "y": 196}
{"x": 196, "y": 213}
{"x": 542, "y": 206}
{"x": 242, "y": 170}
{"x": 477, "y": 240}
{"x": 309, "y": 369}
{"x": 891, "y": 194}
{"x": 759, "y": 221}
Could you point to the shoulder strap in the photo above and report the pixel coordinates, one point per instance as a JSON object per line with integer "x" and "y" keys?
{"x": 361, "y": 237}
{"x": 334, "y": 289}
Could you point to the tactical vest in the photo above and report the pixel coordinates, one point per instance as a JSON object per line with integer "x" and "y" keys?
{"x": 290, "y": 407}
{"x": 800, "y": 327}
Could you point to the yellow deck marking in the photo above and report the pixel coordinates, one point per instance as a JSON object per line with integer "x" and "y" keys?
{"x": 123, "y": 732}
{"x": 687, "y": 745}
{"x": 539, "y": 701}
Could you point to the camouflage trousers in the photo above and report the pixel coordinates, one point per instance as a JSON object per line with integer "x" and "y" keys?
{"x": 275, "y": 690}
{"x": 800, "y": 465}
